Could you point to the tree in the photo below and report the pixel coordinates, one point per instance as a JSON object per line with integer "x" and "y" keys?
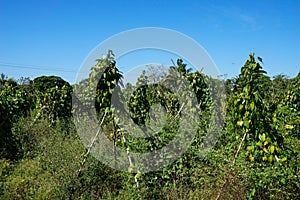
{"x": 181, "y": 67}
{"x": 3, "y": 79}
{"x": 43, "y": 83}
{"x": 53, "y": 97}
{"x": 11, "y": 82}
{"x": 24, "y": 81}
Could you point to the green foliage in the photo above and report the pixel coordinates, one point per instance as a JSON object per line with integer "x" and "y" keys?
{"x": 53, "y": 97}
{"x": 251, "y": 116}
{"x": 43, "y": 158}
{"x": 15, "y": 101}
{"x": 107, "y": 83}
{"x": 278, "y": 88}
{"x": 288, "y": 112}
{"x": 146, "y": 96}
{"x": 258, "y": 111}
{"x": 43, "y": 83}
{"x": 201, "y": 89}
{"x": 29, "y": 181}
{"x": 50, "y": 168}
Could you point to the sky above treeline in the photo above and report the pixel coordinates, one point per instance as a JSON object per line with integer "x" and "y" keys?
{"x": 54, "y": 37}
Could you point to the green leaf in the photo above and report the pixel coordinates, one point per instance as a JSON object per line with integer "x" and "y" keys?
{"x": 256, "y": 97}
{"x": 265, "y": 150}
{"x": 262, "y": 137}
{"x": 264, "y": 158}
{"x": 241, "y": 107}
{"x": 252, "y": 105}
{"x": 250, "y": 148}
{"x": 240, "y": 123}
{"x": 283, "y": 159}
{"x": 270, "y": 159}
{"x": 246, "y": 123}
{"x": 289, "y": 127}
{"x": 272, "y": 149}
{"x": 251, "y": 158}
{"x": 259, "y": 144}
{"x": 138, "y": 175}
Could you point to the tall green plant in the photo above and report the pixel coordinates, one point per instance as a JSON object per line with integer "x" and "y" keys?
{"x": 250, "y": 114}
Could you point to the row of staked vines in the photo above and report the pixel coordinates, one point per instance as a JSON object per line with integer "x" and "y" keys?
{"x": 105, "y": 83}
{"x": 262, "y": 120}
{"x": 266, "y": 122}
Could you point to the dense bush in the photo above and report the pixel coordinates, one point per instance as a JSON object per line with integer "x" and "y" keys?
{"x": 15, "y": 101}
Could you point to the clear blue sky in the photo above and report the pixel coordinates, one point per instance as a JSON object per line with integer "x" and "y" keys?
{"x": 54, "y": 37}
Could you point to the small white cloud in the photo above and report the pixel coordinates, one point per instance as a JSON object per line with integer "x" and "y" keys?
{"x": 250, "y": 21}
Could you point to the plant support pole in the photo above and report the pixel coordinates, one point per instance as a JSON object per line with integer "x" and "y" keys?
{"x": 91, "y": 145}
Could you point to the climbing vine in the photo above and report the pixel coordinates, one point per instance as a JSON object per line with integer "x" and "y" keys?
{"x": 251, "y": 116}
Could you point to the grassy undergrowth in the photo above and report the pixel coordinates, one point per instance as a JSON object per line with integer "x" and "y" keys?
{"x": 51, "y": 159}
